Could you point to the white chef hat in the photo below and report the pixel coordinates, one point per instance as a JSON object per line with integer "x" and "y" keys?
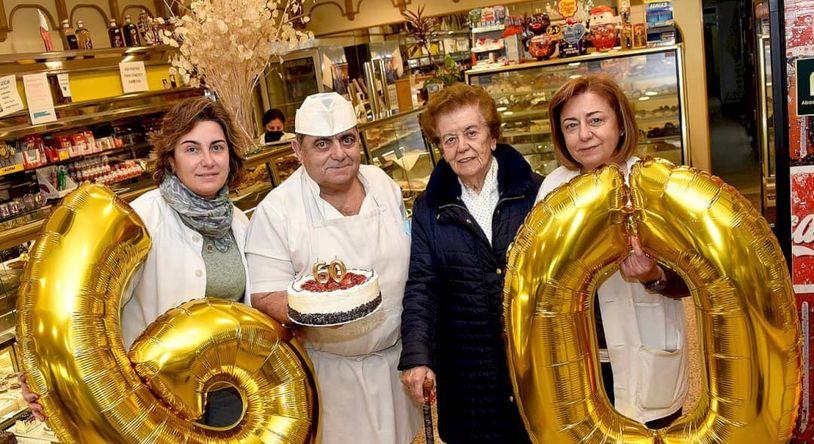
{"x": 324, "y": 115}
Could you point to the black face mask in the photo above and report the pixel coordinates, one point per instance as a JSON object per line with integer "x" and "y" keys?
{"x": 273, "y": 136}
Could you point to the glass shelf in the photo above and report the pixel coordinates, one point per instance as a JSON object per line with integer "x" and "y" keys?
{"x": 397, "y": 146}
{"x": 651, "y": 78}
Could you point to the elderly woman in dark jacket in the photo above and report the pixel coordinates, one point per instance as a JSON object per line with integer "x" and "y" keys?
{"x": 475, "y": 201}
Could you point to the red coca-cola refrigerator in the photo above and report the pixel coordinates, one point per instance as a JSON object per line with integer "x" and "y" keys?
{"x": 792, "y": 65}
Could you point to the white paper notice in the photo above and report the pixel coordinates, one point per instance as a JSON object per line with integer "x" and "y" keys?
{"x": 134, "y": 77}
{"x": 327, "y": 71}
{"x": 39, "y": 99}
{"x": 64, "y": 84}
{"x": 398, "y": 62}
{"x": 10, "y": 101}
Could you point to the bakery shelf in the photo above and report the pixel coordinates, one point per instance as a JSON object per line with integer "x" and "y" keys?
{"x": 9, "y": 419}
{"x": 596, "y": 56}
{"x": 92, "y": 112}
{"x": 74, "y": 61}
{"x": 110, "y": 151}
{"x": 665, "y": 139}
{"x": 541, "y": 113}
{"x": 492, "y": 28}
{"x": 31, "y": 230}
{"x": 515, "y": 134}
{"x": 482, "y": 50}
{"x": 522, "y": 91}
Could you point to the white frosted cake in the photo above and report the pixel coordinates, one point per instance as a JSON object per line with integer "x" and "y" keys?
{"x": 353, "y": 297}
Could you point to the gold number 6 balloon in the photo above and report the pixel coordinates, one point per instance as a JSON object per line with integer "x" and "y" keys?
{"x": 92, "y": 392}
{"x": 724, "y": 250}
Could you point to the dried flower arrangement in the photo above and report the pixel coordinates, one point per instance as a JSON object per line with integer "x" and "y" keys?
{"x": 227, "y": 44}
{"x": 424, "y": 30}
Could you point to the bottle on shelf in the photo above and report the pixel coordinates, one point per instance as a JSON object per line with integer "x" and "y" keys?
{"x": 115, "y": 35}
{"x": 69, "y": 40}
{"x": 131, "y": 34}
{"x": 626, "y": 36}
{"x": 173, "y": 83}
{"x": 83, "y": 36}
{"x": 56, "y": 90}
{"x": 145, "y": 30}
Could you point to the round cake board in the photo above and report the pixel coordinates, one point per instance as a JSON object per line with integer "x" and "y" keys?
{"x": 378, "y": 306}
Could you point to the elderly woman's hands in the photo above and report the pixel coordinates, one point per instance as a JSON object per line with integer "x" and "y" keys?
{"x": 638, "y": 266}
{"x": 413, "y": 379}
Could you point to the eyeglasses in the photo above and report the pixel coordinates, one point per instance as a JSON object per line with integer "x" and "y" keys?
{"x": 472, "y": 133}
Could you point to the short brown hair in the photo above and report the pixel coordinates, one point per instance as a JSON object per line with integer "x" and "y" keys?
{"x": 456, "y": 96}
{"x": 180, "y": 120}
{"x": 606, "y": 88}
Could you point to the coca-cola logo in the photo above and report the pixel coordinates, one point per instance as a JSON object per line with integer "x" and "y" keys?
{"x": 802, "y": 232}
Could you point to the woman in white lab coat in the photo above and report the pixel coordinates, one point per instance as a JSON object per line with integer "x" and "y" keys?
{"x": 642, "y": 342}
{"x": 197, "y": 234}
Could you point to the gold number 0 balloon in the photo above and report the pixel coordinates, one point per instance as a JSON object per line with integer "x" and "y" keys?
{"x": 723, "y": 249}
{"x": 69, "y": 332}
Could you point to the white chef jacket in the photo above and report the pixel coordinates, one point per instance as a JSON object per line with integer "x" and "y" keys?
{"x": 361, "y": 397}
{"x": 645, "y": 336}
{"x": 174, "y": 271}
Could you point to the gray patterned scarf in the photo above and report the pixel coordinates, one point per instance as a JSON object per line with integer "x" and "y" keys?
{"x": 210, "y": 217}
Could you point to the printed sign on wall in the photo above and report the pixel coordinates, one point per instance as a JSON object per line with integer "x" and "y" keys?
{"x": 134, "y": 77}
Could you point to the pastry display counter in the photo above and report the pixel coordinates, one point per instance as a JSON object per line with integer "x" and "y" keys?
{"x": 652, "y": 79}
{"x": 397, "y": 145}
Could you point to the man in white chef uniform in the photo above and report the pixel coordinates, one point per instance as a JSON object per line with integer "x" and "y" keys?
{"x": 334, "y": 208}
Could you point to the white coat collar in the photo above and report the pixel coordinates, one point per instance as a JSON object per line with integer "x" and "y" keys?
{"x": 325, "y": 209}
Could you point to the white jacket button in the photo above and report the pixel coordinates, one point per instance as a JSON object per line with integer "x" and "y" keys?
{"x": 196, "y": 238}
{"x": 198, "y": 273}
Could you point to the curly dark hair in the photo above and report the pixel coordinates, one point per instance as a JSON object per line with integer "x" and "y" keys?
{"x": 180, "y": 120}
{"x": 272, "y": 114}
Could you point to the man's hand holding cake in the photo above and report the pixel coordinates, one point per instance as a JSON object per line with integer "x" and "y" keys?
{"x": 333, "y": 295}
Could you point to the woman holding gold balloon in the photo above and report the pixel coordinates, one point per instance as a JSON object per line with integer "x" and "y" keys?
{"x": 640, "y": 319}
{"x": 476, "y": 199}
{"x": 197, "y": 234}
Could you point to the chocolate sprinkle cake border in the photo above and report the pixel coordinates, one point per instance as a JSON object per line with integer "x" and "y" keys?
{"x": 319, "y": 319}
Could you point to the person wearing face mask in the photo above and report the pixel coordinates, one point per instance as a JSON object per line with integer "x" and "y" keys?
{"x": 640, "y": 319}
{"x": 476, "y": 199}
{"x": 334, "y": 208}
{"x": 273, "y": 124}
{"x": 197, "y": 234}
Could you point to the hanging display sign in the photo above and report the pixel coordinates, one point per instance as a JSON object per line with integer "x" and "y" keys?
{"x": 567, "y": 8}
{"x": 39, "y": 99}
{"x": 805, "y": 87}
{"x": 134, "y": 77}
{"x": 10, "y": 101}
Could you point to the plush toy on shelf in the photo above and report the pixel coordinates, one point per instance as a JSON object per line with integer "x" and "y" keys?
{"x": 603, "y": 28}
{"x": 538, "y": 41}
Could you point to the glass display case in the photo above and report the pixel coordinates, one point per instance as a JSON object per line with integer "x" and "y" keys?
{"x": 652, "y": 79}
{"x": 397, "y": 145}
{"x": 288, "y": 83}
{"x": 765, "y": 120}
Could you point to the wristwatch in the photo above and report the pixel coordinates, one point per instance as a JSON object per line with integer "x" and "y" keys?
{"x": 657, "y": 285}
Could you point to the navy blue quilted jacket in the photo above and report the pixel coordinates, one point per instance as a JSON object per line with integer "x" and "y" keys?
{"x": 453, "y": 302}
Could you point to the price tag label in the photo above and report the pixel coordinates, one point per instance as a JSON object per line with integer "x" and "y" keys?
{"x": 10, "y": 169}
